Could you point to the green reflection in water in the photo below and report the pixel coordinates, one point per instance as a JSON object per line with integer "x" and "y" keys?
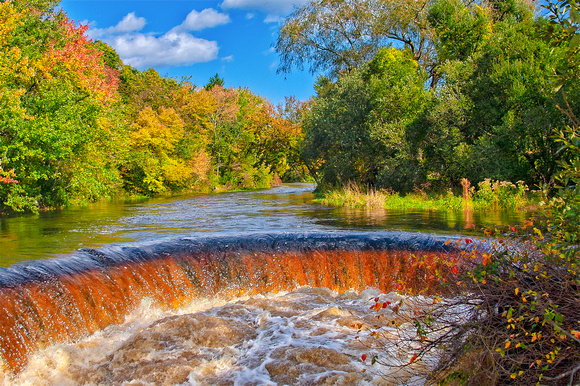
{"x": 287, "y": 208}
{"x": 446, "y": 222}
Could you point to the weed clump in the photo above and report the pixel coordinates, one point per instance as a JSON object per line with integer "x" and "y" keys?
{"x": 490, "y": 195}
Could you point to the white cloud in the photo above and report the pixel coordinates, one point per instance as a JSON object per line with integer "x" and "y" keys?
{"x": 171, "y": 49}
{"x": 273, "y": 19}
{"x": 274, "y": 8}
{"x": 130, "y": 23}
{"x": 228, "y": 59}
{"x": 177, "y": 47}
{"x": 208, "y": 18}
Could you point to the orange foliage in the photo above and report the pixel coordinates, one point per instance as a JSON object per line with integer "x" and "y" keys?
{"x": 83, "y": 65}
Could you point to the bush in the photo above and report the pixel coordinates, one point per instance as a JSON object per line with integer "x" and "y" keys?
{"x": 512, "y": 307}
{"x": 500, "y": 195}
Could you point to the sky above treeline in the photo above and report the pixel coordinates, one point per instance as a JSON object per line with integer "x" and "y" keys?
{"x": 197, "y": 39}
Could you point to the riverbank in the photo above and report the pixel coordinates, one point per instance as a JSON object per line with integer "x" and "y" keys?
{"x": 489, "y": 195}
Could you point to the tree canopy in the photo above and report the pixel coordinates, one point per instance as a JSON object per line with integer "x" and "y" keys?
{"x": 78, "y": 125}
{"x": 487, "y": 106}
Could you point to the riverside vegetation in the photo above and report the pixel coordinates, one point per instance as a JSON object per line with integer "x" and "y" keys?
{"x": 490, "y": 195}
{"x": 78, "y": 125}
{"x": 417, "y": 96}
{"x": 413, "y": 96}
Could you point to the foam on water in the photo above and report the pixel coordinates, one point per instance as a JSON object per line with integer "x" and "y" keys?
{"x": 161, "y": 312}
{"x": 308, "y": 336}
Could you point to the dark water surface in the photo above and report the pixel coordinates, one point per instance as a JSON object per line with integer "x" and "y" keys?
{"x": 286, "y": 208}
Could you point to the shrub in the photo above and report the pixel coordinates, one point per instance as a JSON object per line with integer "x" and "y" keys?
{"x": 512, "y": 311}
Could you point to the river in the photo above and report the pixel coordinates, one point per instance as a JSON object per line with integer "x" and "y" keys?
{"x": 168, "y": 298}
{"x": 285, "y": 208}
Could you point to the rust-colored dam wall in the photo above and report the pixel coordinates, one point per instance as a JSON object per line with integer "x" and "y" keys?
{"x": 64, "y": 299}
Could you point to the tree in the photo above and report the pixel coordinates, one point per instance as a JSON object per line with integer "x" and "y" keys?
{"x": 459, "y": 29}
{"x": 60, "y": 111}
{"x": 214, "y": 81}
{"x": 563, "y": 30}
{"x": 494, "y": 112}
{"x": 355, "y": 131}
{"x": 514, "y": 304}
{"x": 154, "y": 165}
{"x": 221, "y": 118}
{"x": 141, "y": 89}
{"x": 285, "y": 146}
{"x": 337, "y": 36}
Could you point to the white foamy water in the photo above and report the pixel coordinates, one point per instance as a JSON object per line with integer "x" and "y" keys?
{"x": 312, "y": 336}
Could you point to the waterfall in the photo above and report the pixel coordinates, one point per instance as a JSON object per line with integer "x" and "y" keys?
{"x": 68, "y": 298}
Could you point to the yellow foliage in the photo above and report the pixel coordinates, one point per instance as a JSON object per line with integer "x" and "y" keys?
{"x": 201, "y": 164}
{"x": 156, "y": 132}
{"x": 200, "y": 105}
{"x": 175, "y": 171}
{"x": 9, "y": 17}
{"x": 13, "y": 67}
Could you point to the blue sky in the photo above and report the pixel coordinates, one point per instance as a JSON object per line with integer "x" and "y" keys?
{"x": 198, "y": 39}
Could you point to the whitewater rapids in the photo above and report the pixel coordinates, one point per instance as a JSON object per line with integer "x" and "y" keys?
{"x": 311, "y": 336}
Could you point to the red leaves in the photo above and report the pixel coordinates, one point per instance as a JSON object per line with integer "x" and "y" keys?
{"x": 379, "y": 305}
{"x": 413, "y": 358}
{"x": 81, "y": 64}
{"x": 454, "y": 270}
{"x": 8, "y": 180}
{"x": 7, "y": 177}
{"x": 364, "y": 357}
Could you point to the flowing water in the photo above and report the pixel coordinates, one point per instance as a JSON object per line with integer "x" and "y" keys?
{"x": 286, "y": 208}
{"x": 303, "y": 337}
{"x": 253, "y": 288}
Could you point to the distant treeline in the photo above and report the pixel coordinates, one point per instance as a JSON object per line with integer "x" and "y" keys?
{"x": 77, "y": 125}
{"x": 416, "y": 95}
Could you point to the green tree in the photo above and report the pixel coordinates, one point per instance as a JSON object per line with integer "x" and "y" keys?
{"x": 56, "y": 134}
{"x": 337, "y": 36}
{"x": 521, "y": 326}
{"x": 214, "y": 81}
{"x": 355, "y": 131}
{"x": 141, "y": 89}
{"x": 494, "y": 113}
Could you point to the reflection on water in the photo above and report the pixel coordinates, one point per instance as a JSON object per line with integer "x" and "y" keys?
{"x": 285, "y": 208}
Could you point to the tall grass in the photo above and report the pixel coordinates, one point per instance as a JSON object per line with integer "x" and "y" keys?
{"x": 490, "y": 195}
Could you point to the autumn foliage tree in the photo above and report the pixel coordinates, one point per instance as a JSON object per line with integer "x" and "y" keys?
{"x": 78, "y": 125}
{"x": 153, "y": 164}
{"x": 60, "y": 106}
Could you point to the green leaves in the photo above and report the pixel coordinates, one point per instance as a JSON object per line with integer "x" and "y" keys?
{"x": 56, "y": 109}
{"x": 337, "y": 37}
{"x": 355, "y": 131}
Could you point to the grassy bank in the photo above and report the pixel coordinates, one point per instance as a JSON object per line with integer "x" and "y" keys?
{"x": 489, "y": 195}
